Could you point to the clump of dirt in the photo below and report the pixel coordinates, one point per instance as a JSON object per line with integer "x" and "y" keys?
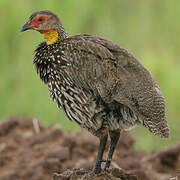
{"x": 29, "y": 151}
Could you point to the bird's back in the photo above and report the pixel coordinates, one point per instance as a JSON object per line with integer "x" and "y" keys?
{"x": 92, "y": 78}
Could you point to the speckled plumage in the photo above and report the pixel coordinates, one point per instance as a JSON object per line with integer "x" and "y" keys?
{"x": 101, "y": 86}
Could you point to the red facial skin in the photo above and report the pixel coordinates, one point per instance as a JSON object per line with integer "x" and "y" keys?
{"x": 36, "y": 22}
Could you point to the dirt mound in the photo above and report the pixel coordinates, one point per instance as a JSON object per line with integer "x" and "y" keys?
{"x": 29, "y": 151}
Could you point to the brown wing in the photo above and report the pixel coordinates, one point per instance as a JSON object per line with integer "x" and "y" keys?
{"x": 110, "y": 71}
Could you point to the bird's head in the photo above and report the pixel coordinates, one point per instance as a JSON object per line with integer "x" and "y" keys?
{"x": 46, "y": 23}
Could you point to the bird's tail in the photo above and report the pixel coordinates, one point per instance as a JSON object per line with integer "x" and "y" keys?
{"x": 155, "y": 118}
{"x": 160, "y": 129}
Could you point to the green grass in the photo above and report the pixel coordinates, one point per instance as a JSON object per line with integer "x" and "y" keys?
{"x": 148, "y": 29}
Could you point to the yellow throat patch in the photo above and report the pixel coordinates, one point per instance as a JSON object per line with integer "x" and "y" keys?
{"x": 50, "y": 36}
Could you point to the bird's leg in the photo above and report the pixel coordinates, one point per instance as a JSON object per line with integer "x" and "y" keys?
{"x": 114, "y": 136}
{"x": 102, "y": 145}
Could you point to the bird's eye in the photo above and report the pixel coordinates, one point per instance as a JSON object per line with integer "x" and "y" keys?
{"x": 40, "y": 19}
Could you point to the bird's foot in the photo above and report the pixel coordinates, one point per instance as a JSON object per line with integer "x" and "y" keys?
{"x": 107, "y": 164}
{"x": 106, "y": 169}
{"x": 97, "y": 167}
{"x": 97, "y": 170}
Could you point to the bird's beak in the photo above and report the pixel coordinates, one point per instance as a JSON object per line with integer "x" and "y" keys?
{"x": 25, "y": 27}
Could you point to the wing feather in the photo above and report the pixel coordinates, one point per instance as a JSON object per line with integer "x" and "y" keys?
{"x": 114, "y": 74}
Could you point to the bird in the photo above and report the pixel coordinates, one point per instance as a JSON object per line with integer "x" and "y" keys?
{"x": 99, "y": 85}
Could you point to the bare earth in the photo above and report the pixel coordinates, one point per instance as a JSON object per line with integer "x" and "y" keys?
{"x": 29, "y": 153}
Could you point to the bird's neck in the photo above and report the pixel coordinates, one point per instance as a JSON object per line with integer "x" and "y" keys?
{"x": 51, "y": 36}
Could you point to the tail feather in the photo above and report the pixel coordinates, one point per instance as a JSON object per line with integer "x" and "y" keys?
{"x": 160, "y": 129}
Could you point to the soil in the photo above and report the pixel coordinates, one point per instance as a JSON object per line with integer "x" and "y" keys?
{"x": 29, "y": 151}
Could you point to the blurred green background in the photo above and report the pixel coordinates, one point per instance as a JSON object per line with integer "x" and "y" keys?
{"x": 149, "y": 29}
